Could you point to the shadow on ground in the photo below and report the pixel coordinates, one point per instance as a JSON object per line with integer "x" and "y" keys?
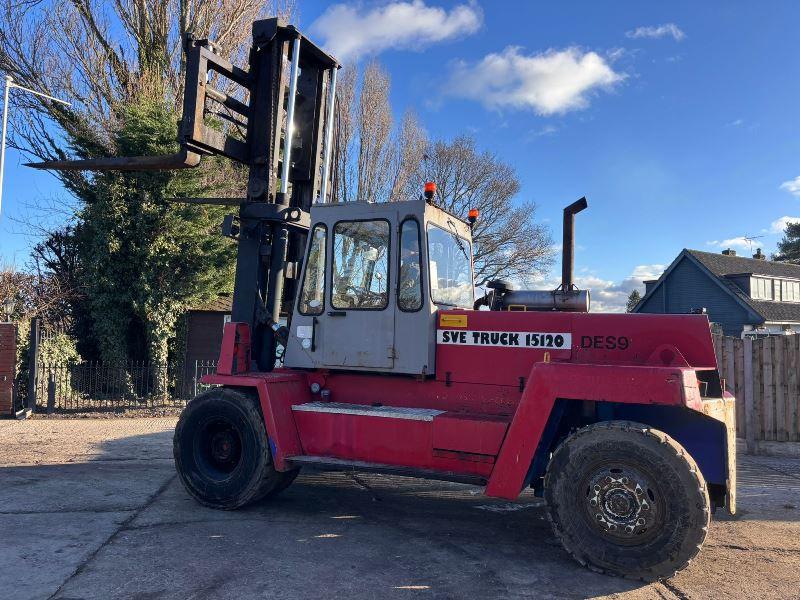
{"x": 118, "y": 524}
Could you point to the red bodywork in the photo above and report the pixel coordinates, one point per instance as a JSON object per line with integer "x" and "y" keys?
{"x": 488, "y": 404}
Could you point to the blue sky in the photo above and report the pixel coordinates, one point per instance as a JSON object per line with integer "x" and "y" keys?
{"x": 678, "y": 121}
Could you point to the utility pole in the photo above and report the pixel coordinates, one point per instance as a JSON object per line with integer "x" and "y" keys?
{"x": 10, "y": 84}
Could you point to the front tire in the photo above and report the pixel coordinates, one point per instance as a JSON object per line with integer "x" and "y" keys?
{"x": 222, "y": 452}
{"x": 628, "y": 500}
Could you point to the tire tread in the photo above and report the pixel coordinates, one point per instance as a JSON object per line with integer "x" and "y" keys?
{"x": 662, "y": 438}
{"x": 265, "y": 480}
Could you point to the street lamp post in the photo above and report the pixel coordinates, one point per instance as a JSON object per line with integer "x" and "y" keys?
{"x": 8, "y": 308}
{"x": 10, "y": 84}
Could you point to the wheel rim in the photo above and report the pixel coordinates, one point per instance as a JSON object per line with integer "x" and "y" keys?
{"x": 623, "y": 504}
{"x": 218, "y": 448}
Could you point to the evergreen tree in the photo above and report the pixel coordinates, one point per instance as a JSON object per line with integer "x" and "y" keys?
{"x": 633, "y": 299}
{"x": 145, "y": 259}
{"x": 789, "y": 246}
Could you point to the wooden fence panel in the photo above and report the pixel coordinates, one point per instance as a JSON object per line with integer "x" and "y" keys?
{"x": 738, "y": 367}
{"x": 751, "y": 420}
{"x": 758, "y": 390}
{"x": 768, "y": 382}
{"x": 779, "y": 376}
{"x": 764, "y": 377}
{"x": 793, "y": 387}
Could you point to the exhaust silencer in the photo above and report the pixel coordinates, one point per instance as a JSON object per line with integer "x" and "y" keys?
{"x": 573, "y": 301}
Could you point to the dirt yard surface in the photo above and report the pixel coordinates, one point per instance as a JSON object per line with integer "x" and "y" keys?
{"x": 91, "y": 508}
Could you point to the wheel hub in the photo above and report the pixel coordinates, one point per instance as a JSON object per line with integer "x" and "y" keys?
{"x": 218, "y": 448}
{"x": 222, "y": 446}
{"x": 620, "y": 502}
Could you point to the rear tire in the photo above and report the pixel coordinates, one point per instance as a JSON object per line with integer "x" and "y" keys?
{"x": 627, "y": 500}
{"x": 222, "y": 452}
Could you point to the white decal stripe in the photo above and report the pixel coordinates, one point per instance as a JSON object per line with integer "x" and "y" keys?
{"x": 544, "y": 340}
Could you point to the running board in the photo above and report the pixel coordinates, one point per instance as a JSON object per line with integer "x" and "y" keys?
{"x": 328, "y": 463}
{"x": 366, "y": 410}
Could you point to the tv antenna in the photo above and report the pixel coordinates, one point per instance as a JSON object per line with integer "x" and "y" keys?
{"x": 750, "y": 239}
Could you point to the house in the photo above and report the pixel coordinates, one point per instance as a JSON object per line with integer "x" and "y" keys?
{"x": 745, "y": 296}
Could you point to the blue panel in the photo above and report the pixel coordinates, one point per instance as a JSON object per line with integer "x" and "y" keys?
{"x": 703, "y": 437}
{"x": 687, "y": 287}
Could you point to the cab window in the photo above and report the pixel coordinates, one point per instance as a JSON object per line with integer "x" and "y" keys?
{"x": 450, "y": 268}
{"x": 360, "y": 265}
{"x": 409, "y": 287}
{"x": 312, "y": 299}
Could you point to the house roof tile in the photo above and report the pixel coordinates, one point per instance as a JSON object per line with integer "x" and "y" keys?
{"x": 722, "y": 264}
{"x": 221, "y": 303}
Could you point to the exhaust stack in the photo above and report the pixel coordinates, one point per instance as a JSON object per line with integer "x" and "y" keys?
{"x": 568, "y": 260}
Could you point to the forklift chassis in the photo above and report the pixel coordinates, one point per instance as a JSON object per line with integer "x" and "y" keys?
{"x": 624, "y": 429}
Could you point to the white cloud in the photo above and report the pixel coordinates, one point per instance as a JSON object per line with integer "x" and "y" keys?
{"x": 645, "y": 272}
{"x": 779, "y": 225}
{"x": 545, "y": 131}
{"x": 658, "y": 31}
{"x": 737, "y": 242}
{"x": 611, "y": 296}
{"x": 792, "y": 186}
{"x": 551, "y": 82}
{"x": 348, "y": 32}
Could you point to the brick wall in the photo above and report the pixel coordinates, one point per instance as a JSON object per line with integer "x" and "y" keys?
{"x": 8, "y": 359}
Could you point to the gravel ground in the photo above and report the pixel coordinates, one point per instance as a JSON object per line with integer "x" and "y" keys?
{"x": 91, "y": 508}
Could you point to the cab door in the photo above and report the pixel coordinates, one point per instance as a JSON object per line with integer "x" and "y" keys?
{"x": 359, "y": 320}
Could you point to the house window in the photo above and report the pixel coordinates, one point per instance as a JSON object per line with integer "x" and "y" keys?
{"x": 791, "y": 291}
{"x": 761, "y": 289}
{"x": 779, "y": 290}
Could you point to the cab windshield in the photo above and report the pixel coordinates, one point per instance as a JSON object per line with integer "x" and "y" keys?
{"x": 450, "y": 268}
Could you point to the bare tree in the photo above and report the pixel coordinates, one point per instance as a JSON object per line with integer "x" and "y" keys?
{"x": 508, "y": 242}
{"x": 344, "y": 188}
{"x": 101, "y": 55}
{"x": 406, "y": 158}
{"x": 374, "y": 159}
{"x": 374, "y": 123}
{"x": 121, "y": 64}
{"x": 32, "y": 295}
{"x": 378, "y": 162}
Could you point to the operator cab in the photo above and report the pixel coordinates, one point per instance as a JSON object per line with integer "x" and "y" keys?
{"x": 373, "y": 277}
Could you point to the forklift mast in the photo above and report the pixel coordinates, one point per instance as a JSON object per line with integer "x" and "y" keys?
{"x": 284, "y": 100}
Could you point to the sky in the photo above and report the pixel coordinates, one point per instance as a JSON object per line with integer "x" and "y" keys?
{"x": 678, "y": 121}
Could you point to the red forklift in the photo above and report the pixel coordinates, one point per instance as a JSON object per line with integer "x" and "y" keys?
{"x": 357, "y": 343}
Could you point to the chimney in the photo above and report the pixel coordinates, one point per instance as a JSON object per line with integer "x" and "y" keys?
{"x": 729, "y": 252}
{"x": 759, "y": 255}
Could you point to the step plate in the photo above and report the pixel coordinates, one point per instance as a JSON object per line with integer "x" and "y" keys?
{"x": 364, "y": 410}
